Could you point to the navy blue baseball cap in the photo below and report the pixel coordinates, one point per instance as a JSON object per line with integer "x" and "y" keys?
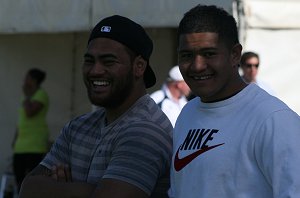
{"x": 130, "y": 34}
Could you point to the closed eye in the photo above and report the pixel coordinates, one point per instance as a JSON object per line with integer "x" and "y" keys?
{"x": 208, "y": 54}
{"x": 109, "y": 61}
{"x": 185, "y": 56}
{"x": 88, "y": 60}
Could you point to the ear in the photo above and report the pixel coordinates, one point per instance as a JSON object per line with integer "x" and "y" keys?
{"x": 139, "y": 66}
{"x": 236, "y": 52}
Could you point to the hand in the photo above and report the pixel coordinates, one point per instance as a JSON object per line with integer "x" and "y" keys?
{"x": 27, "y": 90}
{"x": 61, "y": 173}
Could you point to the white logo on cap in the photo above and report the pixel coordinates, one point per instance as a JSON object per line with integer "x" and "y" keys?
{"x": 105, "y": 29}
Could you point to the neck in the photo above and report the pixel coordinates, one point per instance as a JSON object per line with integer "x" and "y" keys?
{"x": 248, "y": 80}
{"x": 113, "y": 113}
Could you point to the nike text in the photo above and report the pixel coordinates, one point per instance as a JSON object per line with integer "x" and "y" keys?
{"x": 197, "y": 140}
{"x": 196, "y": 136}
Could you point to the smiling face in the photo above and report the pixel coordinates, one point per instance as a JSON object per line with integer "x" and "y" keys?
{"x": 108, "y": 72}
{"x": 208, "y": 66}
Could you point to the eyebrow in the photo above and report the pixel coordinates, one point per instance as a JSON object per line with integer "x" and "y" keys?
{"x": 87, "y": 55}
{"x": 198, "y": 50}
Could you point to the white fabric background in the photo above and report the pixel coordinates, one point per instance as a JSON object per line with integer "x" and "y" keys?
{"x": 274, "y": 32}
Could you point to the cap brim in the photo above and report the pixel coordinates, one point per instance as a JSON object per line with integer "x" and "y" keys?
{"x": 149, "y": 77}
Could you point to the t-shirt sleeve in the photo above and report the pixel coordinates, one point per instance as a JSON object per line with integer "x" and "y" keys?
{"x": 140, "y": 156}
{"x": 41, "y": 96}
{"x": 59, "y": 153}
{"x": 277, "y": 152}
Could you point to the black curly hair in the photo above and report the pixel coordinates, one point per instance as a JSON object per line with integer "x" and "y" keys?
{"x": 37, "y": 74}
{"x": 210, "y": 18}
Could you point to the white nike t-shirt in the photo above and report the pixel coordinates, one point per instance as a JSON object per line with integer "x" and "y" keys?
{"x": 246, "y": 146}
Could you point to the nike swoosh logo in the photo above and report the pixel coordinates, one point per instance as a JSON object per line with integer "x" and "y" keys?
{"x": 181, "y": 163}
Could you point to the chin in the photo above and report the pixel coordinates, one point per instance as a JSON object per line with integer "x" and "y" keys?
{"x": 97, "y": 101}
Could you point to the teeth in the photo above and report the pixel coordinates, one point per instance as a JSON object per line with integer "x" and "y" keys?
{"x": 100, "y": 83}
{"x": 202, "y": 77}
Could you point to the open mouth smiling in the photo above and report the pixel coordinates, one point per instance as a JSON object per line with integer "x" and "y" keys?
{"x": 202, "y": 77}
{"x": 99, "y": 83}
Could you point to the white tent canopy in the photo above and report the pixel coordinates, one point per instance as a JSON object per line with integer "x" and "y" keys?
{"x": 77, "y": 15}
{"x": 273, "y": 14}
{"x": 273, "y": 31}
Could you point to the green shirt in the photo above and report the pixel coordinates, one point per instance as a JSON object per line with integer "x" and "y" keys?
{"x": 33, "y": 131}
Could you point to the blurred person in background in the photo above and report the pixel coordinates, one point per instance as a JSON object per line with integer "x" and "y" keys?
{"x": 31, "y": 139}
{"x": 250, "y": 65}
{"x": 173, "y": 95}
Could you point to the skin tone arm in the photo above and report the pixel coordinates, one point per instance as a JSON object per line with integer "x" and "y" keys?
{"x": 40, "y": 183}
{"x": 57, "y": 182}
{"x": 29, "y": 87}
{"x": 32, "y": 107}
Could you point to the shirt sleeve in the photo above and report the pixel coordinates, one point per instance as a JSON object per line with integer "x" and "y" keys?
{"x": 59, "y": 153}
{"x": 40, "y": 96}
{"x": 141, "y": 155}
{"x": 277, "y": 152}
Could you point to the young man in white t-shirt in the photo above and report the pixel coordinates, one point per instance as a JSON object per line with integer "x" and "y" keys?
{"x": 234, "y": 140}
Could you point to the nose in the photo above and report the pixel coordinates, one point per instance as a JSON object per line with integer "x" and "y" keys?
{"x": 97, "y": 69}
{"x": 199, "y": 64}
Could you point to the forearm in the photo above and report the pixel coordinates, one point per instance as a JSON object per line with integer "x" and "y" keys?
{"x": 32, "y": 107}
{"x": 28, "y": 107}
{"x": 46, "y": 187}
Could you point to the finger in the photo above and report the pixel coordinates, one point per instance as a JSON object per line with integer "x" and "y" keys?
{"x": 54, "y": 172}
{"x": 68, "y": 173}
{"x": 61, "y": 173}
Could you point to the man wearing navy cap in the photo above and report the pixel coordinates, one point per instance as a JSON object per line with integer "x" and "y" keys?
{"x": 123, "y": 149}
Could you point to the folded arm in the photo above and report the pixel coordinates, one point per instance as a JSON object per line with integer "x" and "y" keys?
{"x": 43, "y": 182}
{"x": 32, "y": 107}
{"x": 40, "y": 183}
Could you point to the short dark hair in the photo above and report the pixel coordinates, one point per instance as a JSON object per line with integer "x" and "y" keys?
{"x": 247, "y": 55}
{"x": 37, "y": 74}
{"x": 209, "y": 18}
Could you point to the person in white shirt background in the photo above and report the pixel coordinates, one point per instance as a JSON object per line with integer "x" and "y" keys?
{"x": 249, "y": 67}
{"x": 173, "y": 95}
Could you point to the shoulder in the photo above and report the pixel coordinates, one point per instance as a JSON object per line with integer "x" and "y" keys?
{"x": 146, "y": 111}
{"x": 192, "y": 104}
{"x": 85, "y": 123}
{"x": 90, "y": 117}
{"x": 277, "y": 112}
{"x": 263, "y": 109}
{"x": 147, "y": 131}
{"x": 268, "y": 103}
{"x": 146, "y": 119}
{"x": 148, "y": 128}
{"x": 41, "y": 91}
{"x": 40, "y": 95}
{"x": 266, "y": 87}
